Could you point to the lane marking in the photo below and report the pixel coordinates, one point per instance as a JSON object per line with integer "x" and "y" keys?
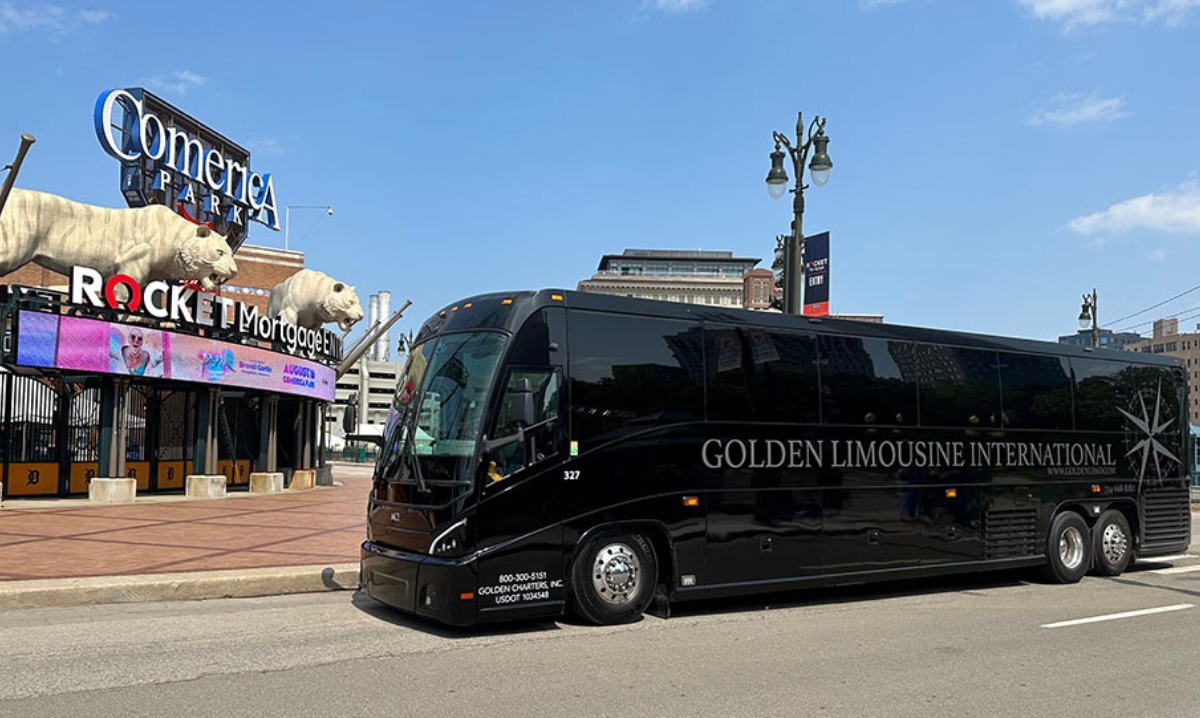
{"x": 1115, "y": 616}
{"x": 1160, "y": 559}
{"x": 1176, "y": 569}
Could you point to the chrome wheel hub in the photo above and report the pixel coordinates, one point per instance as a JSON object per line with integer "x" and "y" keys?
{"x": 616, "y": 573}
{"x": 1115, "y": 543}
{"x": 1070, "y": 548}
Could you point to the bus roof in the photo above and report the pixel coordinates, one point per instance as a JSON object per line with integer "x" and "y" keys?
{"x": 507, "y": 311}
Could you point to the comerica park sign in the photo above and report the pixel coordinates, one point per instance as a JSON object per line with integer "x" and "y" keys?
{"x": 182, "y": 303}
{"x": 168, "y": 157}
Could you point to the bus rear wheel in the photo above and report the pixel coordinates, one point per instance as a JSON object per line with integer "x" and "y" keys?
{"x": 1068, "y": 549}
{"x": 1111, "y": 543}
{"x": 613, "y": 578}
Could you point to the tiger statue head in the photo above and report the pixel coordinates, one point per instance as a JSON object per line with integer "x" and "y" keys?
{"x": 205, "y": 257}
{"x": 310, "y": 298}
{"x": 340, "y": 304}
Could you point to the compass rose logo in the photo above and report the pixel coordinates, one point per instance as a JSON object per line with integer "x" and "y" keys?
{"x": 1149, "y": 429}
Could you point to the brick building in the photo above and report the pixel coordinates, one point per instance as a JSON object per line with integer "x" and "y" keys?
{"x": 758, "y": 286}
{"x": 259, "y": 270}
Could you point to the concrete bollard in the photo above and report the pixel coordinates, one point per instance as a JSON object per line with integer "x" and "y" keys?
{"x": 205, "y": 486}
{"x": 266, "y": 482}
{"x": 112, "y": 491}
{"x": 303, "y": 479}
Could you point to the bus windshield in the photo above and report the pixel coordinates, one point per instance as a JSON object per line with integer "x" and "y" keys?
{"x": 438, "y": 408}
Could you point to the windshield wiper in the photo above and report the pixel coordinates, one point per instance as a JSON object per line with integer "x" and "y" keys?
{"x": 409, "y": 450}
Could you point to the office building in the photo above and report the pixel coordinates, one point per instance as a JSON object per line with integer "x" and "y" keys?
{"x": 714, "y": 278}
{"x": 1108, "y": 338}
{"x": 372, "y": 384}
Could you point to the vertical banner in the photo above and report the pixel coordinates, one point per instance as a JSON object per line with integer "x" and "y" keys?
{"x": 816, "y": 275}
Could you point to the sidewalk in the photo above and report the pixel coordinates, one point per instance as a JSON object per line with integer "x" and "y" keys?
{"x": 323, "y": 526}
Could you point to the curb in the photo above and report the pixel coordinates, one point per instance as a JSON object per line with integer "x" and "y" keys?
{"x": 148, "y": 499}
{"x": 242, "y": 583}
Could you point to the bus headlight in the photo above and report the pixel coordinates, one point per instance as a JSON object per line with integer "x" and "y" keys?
{"x": 452, "y": 542}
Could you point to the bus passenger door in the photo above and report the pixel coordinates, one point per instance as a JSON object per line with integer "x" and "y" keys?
{"x": 519, "y": 514}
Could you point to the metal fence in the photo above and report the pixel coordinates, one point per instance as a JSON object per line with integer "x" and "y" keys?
{"x": 50, "y": 435}
{"x": 353, "y": 455}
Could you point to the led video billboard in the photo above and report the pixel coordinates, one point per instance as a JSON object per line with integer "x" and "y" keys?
{"x": 54, "y": 341}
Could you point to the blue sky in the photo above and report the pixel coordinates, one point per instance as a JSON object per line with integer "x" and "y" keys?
{"x": 992, "y": 160}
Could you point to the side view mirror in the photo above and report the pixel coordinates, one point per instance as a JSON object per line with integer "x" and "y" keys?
{"x": 522, "y": 403}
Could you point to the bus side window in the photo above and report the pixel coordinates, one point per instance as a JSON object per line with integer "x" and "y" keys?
{"x": 959, "y": 387}
{"x": 1036, "y": 391}
{"x": 1104, "y": 387}
{"x": 757, "y": 374}
{"x": 631, "y": 374}
{"x": 543, "y": 437}
{"x": 864, "y": 382}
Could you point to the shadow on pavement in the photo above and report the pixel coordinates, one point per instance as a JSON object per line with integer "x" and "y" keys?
{"x": 716, "y": 606}
{"x": 383, "y": 612}
{"x": 1143, "y": 584}
{"x": 849, "y": 593}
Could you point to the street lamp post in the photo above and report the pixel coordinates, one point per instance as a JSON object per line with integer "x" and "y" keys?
{"x": 287, "y": 218}
{"x": 777, "y": 179}
{"x": 1087, "y": 315}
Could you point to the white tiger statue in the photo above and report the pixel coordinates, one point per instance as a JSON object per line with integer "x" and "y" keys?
{"x": 145, "y": 243}
{"x": 310, "y": 298}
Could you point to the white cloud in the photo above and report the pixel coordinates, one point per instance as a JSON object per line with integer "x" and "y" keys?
{"x": 1157, "y": 255}
{"x": 676, "y": 7}
{"x": 47, "y": 18}
{"x": 178, "y": 82}
{"x": 95, "y": 16}
{"x": 1171, "y": 11}
{"x": 266, "y": 146}
{"x": 1073, "y": 13}
{"x": 1176, "y": 211}
{"x": 1067, "y": 109}
{"x": 1077, "y": 12}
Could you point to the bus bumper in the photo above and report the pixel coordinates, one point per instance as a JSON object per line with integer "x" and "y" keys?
{"x": 421, "y": 585}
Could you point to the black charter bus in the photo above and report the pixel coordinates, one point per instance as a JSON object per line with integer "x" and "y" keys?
{"x": 556, "y": 450}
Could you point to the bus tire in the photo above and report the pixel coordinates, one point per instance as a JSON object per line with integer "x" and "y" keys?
{"x": 613, "y": 578}
{"x": 1068, "y": 549}
{"x": 1112, "y": 543}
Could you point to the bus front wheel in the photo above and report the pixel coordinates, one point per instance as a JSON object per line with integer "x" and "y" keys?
{"x": 1111, "y": 543}
{"x": 613, "y": 578}
{"x": 1068, "y": 549}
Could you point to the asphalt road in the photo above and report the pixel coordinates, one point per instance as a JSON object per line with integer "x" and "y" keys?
{"x": 961, "y": 647}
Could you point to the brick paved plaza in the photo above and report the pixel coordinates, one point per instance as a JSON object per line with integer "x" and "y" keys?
{"x": 76, "y": 539}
